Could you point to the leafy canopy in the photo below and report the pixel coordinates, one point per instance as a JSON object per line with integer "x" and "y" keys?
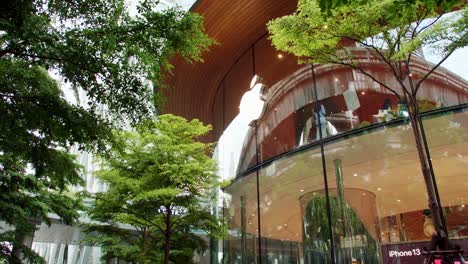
{"x": 98, "y": 50}
{"x": 97, "y": 46}
{"x": 389, "y": 31}
{"x": 394, "y": 29}
{"x": 157, "y": 177}
{"x": 437, "y": 5}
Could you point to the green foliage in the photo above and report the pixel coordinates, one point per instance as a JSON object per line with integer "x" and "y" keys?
{"x": 97, "y": 46}
{"x": 386, "y": 32}
{"x": 157, "y": 177}
{"x": 97, "y": 49}
{"x": 346, "y": 225}
{"x": 37, "y": 129}
{"x": 438, "y": 5}
{"x": 389, "y": 29}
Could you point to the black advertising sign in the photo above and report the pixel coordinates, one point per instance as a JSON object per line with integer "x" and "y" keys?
{"x": 410, "y": 253}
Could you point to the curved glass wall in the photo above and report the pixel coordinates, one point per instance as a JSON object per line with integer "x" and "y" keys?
{"x": 370, "y": 207}
{"x": 285, "y": 186}
{"x": 347, "y": 99}
{"x": 360, "y": 199}
{"x": 447, "y": 135}
{"x": 383, "y": 164}
{"x": 241, "y": 214}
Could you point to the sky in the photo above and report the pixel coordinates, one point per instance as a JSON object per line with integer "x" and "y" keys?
{"x": 457, "y": 62}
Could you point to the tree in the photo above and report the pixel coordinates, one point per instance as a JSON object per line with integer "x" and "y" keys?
{"x": 97, "y": 49}
{"x": 388, "y": 33}
{"x": 436, "y": 5}
{"x": 157, "y": 177}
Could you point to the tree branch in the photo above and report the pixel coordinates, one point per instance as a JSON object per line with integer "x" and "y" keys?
{"x": 418, "y": 85}
{"x": 36, "y": 56}
{"x": 378, "y": 54}
{"x": 351, "y": 65}
{"x": 430, "y": 24}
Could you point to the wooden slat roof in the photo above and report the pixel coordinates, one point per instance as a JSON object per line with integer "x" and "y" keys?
{"x": 235, "y": 25}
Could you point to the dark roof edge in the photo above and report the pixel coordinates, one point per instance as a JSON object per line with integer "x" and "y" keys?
{"x": 197, "y": 2}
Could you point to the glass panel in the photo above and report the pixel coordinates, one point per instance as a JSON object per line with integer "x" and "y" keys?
{"x": 240, "y": 212}
{"x": 447, "y": 137}
{"x": 282, "y": 128}
{"x": 378, "y": 197}
{"x": 294, "y": 229}
{"x": 249, "y": 150}
{"x": 348, "y": 99}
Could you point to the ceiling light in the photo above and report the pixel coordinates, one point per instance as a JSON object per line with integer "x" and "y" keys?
{"x": 302, "y": 190}
{"x": 355, "y": 174}
{"x": 379, "y": 189}
{"x": 398, "y": 200}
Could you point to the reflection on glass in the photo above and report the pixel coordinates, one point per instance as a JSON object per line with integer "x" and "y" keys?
{"x": 447, "y": 136}
{"x": 377, "y": 198}
{"x": 377, "y": 193}
{"x": 316, "y": 235}
{"x": 354, "y": 233}
{"x": 347, "y": 99}
{"x": 240, "y": 211}
{"x": 378, "y": 188}
{"x": 282, "y": 184}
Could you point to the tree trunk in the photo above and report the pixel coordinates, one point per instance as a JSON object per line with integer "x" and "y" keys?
{"x": 167, "y": 235}
{"x": 166, "y": 250}
{"x": 22, "y": 240}
{"x": 415, "y": 120}
{"x": 145, "y": 246}
{"x": 19, "y": 240}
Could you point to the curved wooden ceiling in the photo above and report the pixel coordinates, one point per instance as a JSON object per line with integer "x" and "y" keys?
{"x": 235, "y": 25}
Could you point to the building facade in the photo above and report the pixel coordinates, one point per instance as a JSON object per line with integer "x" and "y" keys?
{"x": 329, "y": 171}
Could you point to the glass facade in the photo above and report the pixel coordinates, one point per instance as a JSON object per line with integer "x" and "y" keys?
{"x": 331, "y": 173}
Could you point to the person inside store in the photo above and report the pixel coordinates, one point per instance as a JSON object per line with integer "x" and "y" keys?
{"x": 321, "y": 126}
